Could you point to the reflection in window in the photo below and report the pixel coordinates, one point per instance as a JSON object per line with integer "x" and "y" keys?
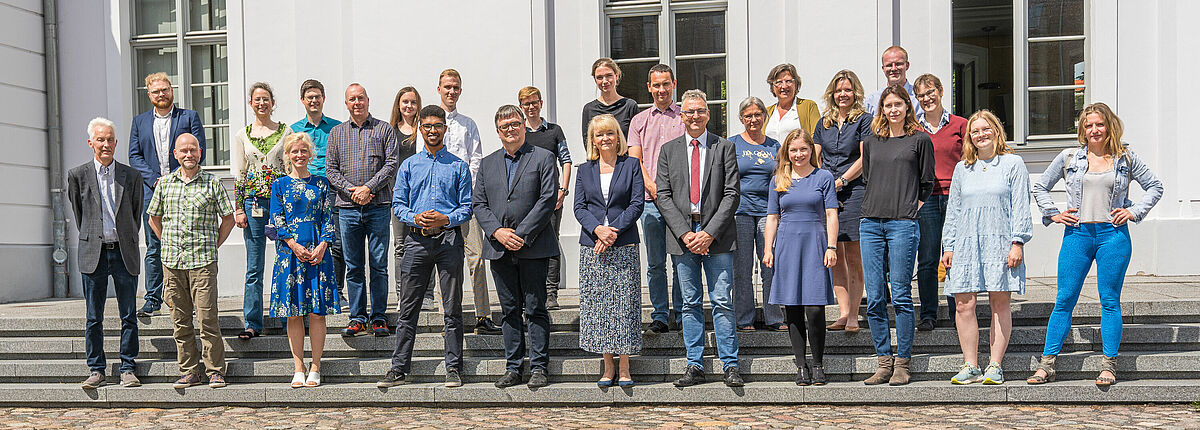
{"x": 983, "y": 60}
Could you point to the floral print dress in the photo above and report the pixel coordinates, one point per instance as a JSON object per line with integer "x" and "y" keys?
{"x": 300, "y": 210}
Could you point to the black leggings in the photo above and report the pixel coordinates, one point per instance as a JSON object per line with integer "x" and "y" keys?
{"x": 796, "y": 317}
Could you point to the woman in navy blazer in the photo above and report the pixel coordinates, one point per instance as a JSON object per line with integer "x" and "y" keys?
{"x": 608, "y": 204}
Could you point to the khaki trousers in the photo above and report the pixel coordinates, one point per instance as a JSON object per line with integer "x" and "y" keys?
{"x": 195, "y": 290}
{"x": 473, "y": 239}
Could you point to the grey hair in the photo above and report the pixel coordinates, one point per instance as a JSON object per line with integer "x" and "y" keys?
{"x": 100, "y": 121}
{"x": 509, "y": 111}
{"x": 694, "y": 94}
{"x": 751, "y": 101}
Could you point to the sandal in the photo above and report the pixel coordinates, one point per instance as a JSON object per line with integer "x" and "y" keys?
{"x": 1108, "y": 364}
{"x": 778, "y": 327}
{"x": 298, "y": 380}
{"x": 746, "y": 329}
{"x": 247, "y": 334}
{"x": 1046, "y": 365}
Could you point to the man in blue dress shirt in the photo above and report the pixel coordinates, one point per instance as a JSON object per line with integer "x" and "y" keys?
{"x": 317, "y": 125}
{"x": 433, "y": 198}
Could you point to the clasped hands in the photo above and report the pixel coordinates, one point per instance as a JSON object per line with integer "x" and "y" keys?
{"x": 431, "y": 219}
{"x": 508, "y": 238}
{"x": 361, "y": 195}
{"x": 313, "y": 256}
{"x": 697, "y": 242}
{"x": 605, "y": 238}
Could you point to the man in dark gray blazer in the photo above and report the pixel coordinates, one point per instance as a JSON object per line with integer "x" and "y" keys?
{"x": 697, "y": 196}
{"x": 107, "y": 199}
{"x": 513, "y": 199}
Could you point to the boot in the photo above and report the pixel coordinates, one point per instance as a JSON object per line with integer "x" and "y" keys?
{"x": 884, "y": 373}
{"x": 900, "y": 375}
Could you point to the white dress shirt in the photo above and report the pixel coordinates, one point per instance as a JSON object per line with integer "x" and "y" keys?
{"x": 688, "y": 155}
{"x": 462, "y": 140}
{"x": 104, "y": 178}
{"x": 162, "y": 140}
{"x": 783, "y": 123}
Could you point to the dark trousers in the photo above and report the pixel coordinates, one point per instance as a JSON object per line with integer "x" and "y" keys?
{"x": 95, "y": 292}
{"x": 521, "y": 286}
{"x": 554, "y": 264}
{"x": 421, "y": 255}
{"x": 931, "y": 217}
{"x": 335, "y": 251}
{"x": 152, "y": 265}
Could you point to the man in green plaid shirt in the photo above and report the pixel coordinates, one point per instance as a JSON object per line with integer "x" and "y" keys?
{"x": 191, "y": 214}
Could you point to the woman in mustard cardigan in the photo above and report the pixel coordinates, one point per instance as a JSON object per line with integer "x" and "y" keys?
{"x": 790, "y": 111}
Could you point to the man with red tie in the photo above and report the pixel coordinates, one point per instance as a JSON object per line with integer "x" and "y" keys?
{"x": 697, "y": 183}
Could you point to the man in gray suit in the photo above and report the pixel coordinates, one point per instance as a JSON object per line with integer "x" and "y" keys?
{"x": 697, "y": 196}
{"x": 513, "y": 199}
{"x": 107, "y": 199}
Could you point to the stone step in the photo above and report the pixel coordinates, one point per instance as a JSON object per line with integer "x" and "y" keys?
{"x": 587, "y": 394}
{"x": 231, "y": 322}
{"x": 1137, "y": 337}
{"x": 839, "y": 367}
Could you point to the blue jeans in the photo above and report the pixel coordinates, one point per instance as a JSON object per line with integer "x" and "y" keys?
{"x": 654, "y": 232}
{"x": 95, "y": 292}
{"x": 152, "y": 263}
{"x": 896, "y": 241}
{"x": 750, "y": 230}
{"x": 256, "y": 246}
{"x": 1109, "y": 246}
{"x": 931, "y": 217}
{"x": 372, "y": 225}
{"x": 718, "y": 270}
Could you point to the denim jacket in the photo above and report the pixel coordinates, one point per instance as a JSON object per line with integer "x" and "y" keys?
{"x": 1073, "y": 164}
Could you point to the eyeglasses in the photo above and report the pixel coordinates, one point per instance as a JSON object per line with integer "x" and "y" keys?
{"x": 784, "y": 83}
{"x": 752, "y": 116}
{"x": 161, "y": 91}
{"x": 509, "y": 126}
{"x": 531, "y": 103}
{"x": 927, "y": 95}
{"x": 431, "y": 127}
{"x": 696, "y": 112}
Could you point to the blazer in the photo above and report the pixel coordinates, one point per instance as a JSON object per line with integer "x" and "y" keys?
{"x": 719, "y": 196}
{"x": 84, "y": 192}
{"x": 623, "y": 207}
{"x": 143, "y": 153}
{"x": 526, "y": 209}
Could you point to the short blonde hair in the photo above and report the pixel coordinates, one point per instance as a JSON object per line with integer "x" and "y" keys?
{"x": 894, "y": 48}
{"x": 969, "y": 154}
{"x": 451, "y": 73}
{"x": 600, "y": 123}
{"x": 155, "y": 77}
{"x": 527, "y": 92}
{"x": 301, "y": 138}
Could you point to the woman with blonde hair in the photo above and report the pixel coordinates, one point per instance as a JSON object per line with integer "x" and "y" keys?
{"x": 802, "y": 225}
{"x": 1097, "y": 175}
{"x": 987, "y": 226}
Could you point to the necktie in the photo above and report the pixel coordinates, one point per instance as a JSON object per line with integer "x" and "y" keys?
{"x": 695, "y": 173}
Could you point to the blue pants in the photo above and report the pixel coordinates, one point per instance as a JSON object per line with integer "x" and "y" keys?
{"x": 256, "y": 246}
{"x": 718, "y": 270}
{"x": 896, "y": 241}
{"x": 931, "y": 217}
{"x": 1110, "y": 248}
{"x": 654, "y": 230}
{"x": 750, "y": 230}
{"x": 152, "y": 265}
{"x": 95, "y": 292}
{"x": 372, "y": 225}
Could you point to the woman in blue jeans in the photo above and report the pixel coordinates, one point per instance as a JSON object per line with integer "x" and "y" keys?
{"x": 756, "y": 155}
{"x": 1097, "y": 176}
{"x": 897, "y": 166}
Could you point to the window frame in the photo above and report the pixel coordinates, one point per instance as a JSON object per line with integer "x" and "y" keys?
{"x": 1021, "y": 42}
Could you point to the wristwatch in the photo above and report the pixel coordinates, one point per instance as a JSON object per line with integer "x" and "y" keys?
{"x": 564, "y": 191}
{"x": 831, "y": 248}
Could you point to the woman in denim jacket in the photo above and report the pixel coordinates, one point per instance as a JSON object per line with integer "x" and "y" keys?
{"x": 1097, "y": 178}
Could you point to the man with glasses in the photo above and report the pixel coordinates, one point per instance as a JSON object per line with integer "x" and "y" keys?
{"x": 318, "y": 126}
{"x": 462, "y": 140}
{"x": 549, "y": 136}
{"x": 514, "y": 199}
{"x": 433, "y": 199}
{"x": 698, "y": 193}
{"x": 895, "y": 69}
{"x": 648, "y": 131}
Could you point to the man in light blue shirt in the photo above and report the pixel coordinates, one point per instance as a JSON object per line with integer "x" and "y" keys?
{"x": 895, "y": 68}
{"x": 317, "y": 125}
{"x": 433, "y": 198}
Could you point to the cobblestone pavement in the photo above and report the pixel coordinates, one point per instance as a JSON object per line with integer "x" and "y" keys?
{"x": 807, "y": 416}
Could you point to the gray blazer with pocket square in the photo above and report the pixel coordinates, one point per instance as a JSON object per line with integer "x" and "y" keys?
{"x": 719, "y": 195}
{"x": 84, "y": 192}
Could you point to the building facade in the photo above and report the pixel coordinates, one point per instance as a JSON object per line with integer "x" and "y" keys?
{"x": 1034, "y": 62}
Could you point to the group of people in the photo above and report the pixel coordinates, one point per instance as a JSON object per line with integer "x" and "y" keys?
{"x": 826, "y": 202}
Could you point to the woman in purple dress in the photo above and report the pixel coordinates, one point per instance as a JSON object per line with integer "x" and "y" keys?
{"x": 802, "y": 215}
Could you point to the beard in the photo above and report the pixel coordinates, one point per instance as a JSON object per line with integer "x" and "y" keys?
{"x": 163, "y": 104}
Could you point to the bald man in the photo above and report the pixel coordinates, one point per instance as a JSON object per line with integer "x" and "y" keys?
{"x": 895, "y": 69}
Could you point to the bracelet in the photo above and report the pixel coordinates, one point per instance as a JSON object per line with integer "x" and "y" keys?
{"x": 1017, "y": 242}
{"x": 831, "y": 248}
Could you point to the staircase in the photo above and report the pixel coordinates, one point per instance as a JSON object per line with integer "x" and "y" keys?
{"x": 42, "y": 361}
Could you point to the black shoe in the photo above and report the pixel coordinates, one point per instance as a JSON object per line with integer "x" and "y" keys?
{"x": 392, "y": 379}
{"x": 733, "y": 378}
{"x": 452, "y": 378}
{"x": 509, "y": 379}
{"x": 148, "y": 311}
{"x": 484, "y": 325}
{"x": 537, "y": 378}
{"x": 552, "y": 302}
{"x": 803, "y": 376}
{"x": 925, "y": 325}
{"x": 657, "y": 327}
{"x": 818, "y": 374}
{"x": 692, "y": 376}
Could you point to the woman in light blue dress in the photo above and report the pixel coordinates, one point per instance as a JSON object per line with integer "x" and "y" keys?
{"x": 303, "y": 282}
{"x": 987, "y": 225}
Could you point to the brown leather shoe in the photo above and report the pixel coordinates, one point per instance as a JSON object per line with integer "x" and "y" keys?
{"x": 884, "y": 373}
{"x": 900, "y": 375}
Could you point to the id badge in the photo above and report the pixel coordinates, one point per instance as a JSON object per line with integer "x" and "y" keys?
{"x": 255, "y": 210}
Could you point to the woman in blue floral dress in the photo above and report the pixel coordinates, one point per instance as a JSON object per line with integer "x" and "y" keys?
{"x": 303, "y": 282}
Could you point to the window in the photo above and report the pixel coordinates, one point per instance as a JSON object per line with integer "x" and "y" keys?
{"x": 186, "y": 39}
{"x": 691, "y": 40}
{"x": 1033, "y": 78}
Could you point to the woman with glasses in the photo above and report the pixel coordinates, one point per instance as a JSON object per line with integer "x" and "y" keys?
{"x": 789, "y": 111}
{"x": 756, "y": 165}
{"x": 607, "y": 75}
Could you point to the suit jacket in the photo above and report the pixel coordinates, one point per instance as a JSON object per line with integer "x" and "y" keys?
{"x": 719, "y": 195}
{"x": 526, "y": 209}
{"x": 84, "y": 192}
{"x": 143, "y": 153}
{"x": 623, "y": 207}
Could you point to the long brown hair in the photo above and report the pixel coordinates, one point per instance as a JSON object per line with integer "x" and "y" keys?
{"x": 783, "y": 163}
{"x": 969, "y": 154}
{"x": 1112, "y": 123}
{"x": 880, "y": 124}
{"x": 831, "y": 109}
{"x": 398, "y": 118}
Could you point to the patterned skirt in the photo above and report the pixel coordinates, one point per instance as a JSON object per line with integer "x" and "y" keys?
{"x": 610, "y": 300}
